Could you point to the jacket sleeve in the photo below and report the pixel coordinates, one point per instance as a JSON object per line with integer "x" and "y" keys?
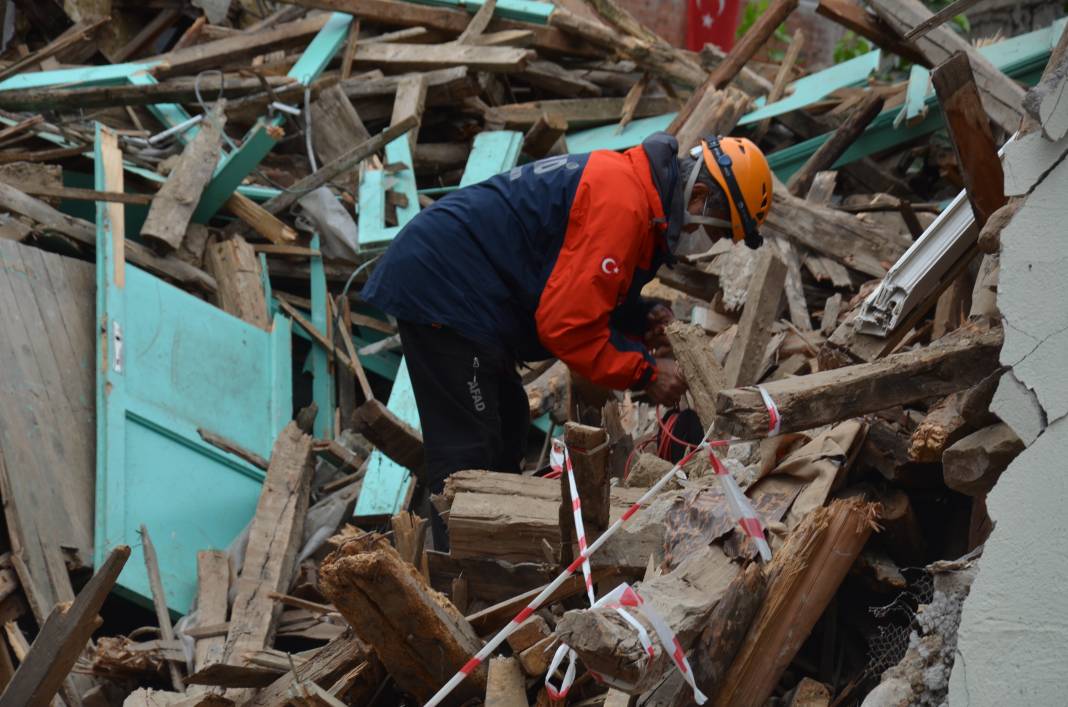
{"x": 593, "y": 271}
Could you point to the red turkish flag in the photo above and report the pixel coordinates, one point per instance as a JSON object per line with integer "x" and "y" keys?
{"x": 711, "y": 22}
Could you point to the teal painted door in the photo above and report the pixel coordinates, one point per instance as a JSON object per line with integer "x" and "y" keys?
{"x": 168, "y": 365}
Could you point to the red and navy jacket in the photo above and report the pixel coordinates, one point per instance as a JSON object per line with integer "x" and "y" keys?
{"x": 548, "y": 259}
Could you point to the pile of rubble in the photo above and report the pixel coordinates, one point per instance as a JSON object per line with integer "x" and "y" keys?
{"x": 234, "y": 169}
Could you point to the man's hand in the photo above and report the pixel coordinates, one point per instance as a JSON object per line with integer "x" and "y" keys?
{"x": 656, "y": 321}
{"x": 669, "y": 384}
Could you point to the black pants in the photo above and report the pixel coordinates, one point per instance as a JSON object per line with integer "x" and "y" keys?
{"x": 472, "y": 406}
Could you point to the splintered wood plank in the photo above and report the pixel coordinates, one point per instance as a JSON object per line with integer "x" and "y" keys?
{"x": 542, "y": 137}
{"x": 62, "y": 638}
{"x": 576, "y": 111}
{"x": 717, "y": 114}
{"x": 213, "y": 586}
{"x": 236, "y": 269}
{"x": 973, "y": 141}
{"x": 260, "y": 219}
{"x": 426, "y": 57}
{"x": 409, "y": 102}
{"x": 762, "y": 302}
{"x": 419, "y": 636}
{"x": 339, "y": 125}
{"x": 1002, "y": 97}
{"x": 172, "y": 207}
{"x": 802, "y": 578}
{"x": 273, "y": 543}
{"x": 159, "y": 601}
{"x": 391, "y": 435}
{"x": 805, "y": 402}
{"x": 329, "y": 664}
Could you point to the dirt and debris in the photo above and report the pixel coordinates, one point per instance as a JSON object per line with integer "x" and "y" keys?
{"x": 255, "y": 159}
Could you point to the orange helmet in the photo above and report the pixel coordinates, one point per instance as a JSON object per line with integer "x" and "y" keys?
{"x": 742, "y": 171}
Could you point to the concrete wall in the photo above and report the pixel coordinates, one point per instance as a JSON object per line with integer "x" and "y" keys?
{"x": 1014, "y": 628}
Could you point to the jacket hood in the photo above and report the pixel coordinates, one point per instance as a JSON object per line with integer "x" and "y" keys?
{"x": 662, "y": 150}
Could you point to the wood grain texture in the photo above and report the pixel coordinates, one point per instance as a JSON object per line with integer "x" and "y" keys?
{"x": 420, "y": 637}
{"x": 762, "y": 303}
{"x": 236, "y": 269}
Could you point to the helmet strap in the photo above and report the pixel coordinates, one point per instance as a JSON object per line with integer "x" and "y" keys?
{"x": 687, "y": 194}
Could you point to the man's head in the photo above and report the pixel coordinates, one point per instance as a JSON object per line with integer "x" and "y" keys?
{"x": 727, "y": 188}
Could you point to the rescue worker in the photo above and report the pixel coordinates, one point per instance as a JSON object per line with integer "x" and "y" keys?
{"x": 545, "y": 260}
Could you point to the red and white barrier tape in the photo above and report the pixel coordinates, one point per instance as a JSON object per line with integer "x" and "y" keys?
{"x": 560, "y": 459}
{"x": 740, "y": 506}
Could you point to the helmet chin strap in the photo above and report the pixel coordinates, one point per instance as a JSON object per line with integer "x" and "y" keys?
{"x": 687, "y": 194}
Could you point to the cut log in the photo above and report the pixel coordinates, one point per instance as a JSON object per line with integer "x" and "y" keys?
{"x": 805, "y": 402}
{"x": 1002, "y": 97}
{"x": 273, "y": 542}
{"x": 419, "y": 636}
{"x": 391, "y": 435}
{"x": 505, "y": 686}
{"x": 260, "y": 219}
{"x": 235, "y": 267}
{"x": 836, "y": 145}
{"x": 802, "y": 578}
{"x": 973, "y": 141}
{"x": 685, "y": 598}
{"x": 535, "y": 660}
{"x": 588, "y": 449}
{"x": 534, "y": 629}
{"x": 549, "y": 392}
{"x": 973, "y": 464}
{"x": 704, "y": 376}
{"x": 763, "y": 300}
{"x": 62, "y": 638}
{"x": 174, "y": 204}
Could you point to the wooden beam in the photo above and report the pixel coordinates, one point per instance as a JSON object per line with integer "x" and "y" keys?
{"x": 973, "y": 141}
{"x": 692, "y": 348}
{"x": 260, "y": 219}
{"x": 588, "y": 448}
{"x": 339, "y": 125}
{"x": 213, "y": 587}
{"x": 717, "y": 114}
{"x": 782, "y": 78}
{"x": 419, "y": 636}
{"x": 939, "y": 18}
{"x": 329, "y": 664}
{"x": 273, "y": 542}
{"x": 409, "y": 103}
{"x": 392, "y": 436}
{"x": 802, "y": 578}
{"x": 576, "y": 111}
{"x": 855, "y": 17}
{"x": 543, "y": 137}
{"x": 173, "y": 206}
{"x": 62, "y": 638}
{"x": 330, "y": 171}
{"x": 80, "y": 33}
{"x": 737, "y": 58}
{"x": 159, "y": 601}
{"x": 805, "y": 402}
{"x": 234, "y": 265}
{"x": 840, "y": 141}
{"x": 763, "y": 299}
{"x": 1002, "y": 97}
{"x": 425, "y": 57}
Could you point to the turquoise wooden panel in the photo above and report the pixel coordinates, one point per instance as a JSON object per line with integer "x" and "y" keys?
{"x": 83, "y": 76}
{"x": 915, "y": 105}
{"x": 386, "y": 484}
{"x": 171, "y": 364}
{"x": 322, "y": 376}
{"x": 492, "y": 152}
{"x": 373, "y": 232}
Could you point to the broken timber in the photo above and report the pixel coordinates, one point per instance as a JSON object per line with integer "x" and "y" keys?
{"x": 763, "y": 299}
{"x": 419, "y": 636}
{"x": 805, "y": 402}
